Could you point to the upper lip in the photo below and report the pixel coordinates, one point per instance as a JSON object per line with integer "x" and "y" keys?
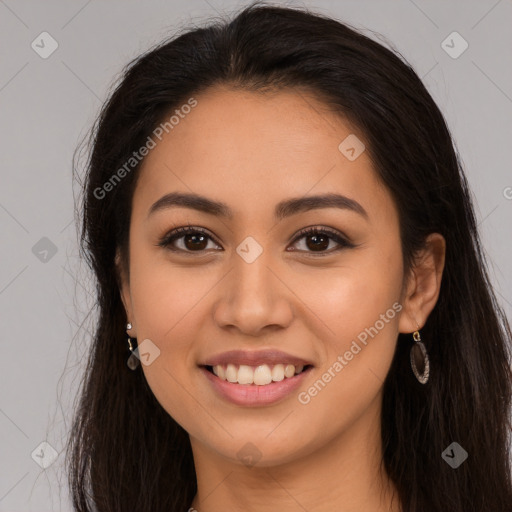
{"x": 255, "y": 358}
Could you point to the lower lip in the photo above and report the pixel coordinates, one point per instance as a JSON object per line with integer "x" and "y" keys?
{"x": 254, "y": 395}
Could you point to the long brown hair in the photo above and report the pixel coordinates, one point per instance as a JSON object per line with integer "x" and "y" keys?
{"x": 125, "y": 452}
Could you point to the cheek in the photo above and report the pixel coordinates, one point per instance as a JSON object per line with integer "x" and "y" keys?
{"x": 358, "y": 304}
{"x": 353, "y": 296}
{"x": 165, "y": 296}
{"x": 362, "y": 315}
{"x": 167, "y": 306}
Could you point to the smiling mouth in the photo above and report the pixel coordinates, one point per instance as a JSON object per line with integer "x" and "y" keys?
{"x": 260, "y": 375}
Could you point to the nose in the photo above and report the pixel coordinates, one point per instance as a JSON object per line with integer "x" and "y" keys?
{"x": 254, "y": 297}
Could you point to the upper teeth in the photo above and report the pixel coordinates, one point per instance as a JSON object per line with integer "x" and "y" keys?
{"x": 259, "y": 375}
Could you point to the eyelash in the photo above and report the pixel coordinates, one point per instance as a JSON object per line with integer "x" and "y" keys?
{"x": 178, "y": 233}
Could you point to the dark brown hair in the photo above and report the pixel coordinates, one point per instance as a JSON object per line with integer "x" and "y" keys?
{"x": 125, "y": 452}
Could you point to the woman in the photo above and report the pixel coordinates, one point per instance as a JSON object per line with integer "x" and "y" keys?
{"x": 294, "y": 309}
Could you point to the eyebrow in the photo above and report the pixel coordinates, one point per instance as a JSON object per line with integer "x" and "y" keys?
{"x": 283, "y": 209}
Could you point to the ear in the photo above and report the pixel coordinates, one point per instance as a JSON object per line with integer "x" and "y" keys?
{"x": 423, "y": 284}
{"x": 124, "y": 288}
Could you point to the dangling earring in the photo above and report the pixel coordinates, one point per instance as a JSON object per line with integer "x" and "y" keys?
{"x": 419, "y": 359}
{"x": 133, "y": 361}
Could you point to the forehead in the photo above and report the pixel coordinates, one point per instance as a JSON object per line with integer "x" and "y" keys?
{"x": 250, "y": 149}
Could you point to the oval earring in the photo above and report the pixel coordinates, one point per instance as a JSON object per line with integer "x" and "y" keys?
{"x": 133, "y": 361}
{"x": 419, "y": 359}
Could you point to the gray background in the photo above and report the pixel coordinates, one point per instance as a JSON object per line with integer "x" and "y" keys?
{"x": 47, "y": 105}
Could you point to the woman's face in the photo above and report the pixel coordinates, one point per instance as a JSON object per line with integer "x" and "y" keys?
{"x": 251, "y": 282}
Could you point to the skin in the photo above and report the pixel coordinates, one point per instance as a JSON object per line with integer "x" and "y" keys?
{"x": 251, "y": 151}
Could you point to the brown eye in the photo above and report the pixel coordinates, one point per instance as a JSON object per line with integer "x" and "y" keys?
{"x": 189, "y": 240}
{"x": 317, "y": 240}
{"x": 195, "y": 241}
